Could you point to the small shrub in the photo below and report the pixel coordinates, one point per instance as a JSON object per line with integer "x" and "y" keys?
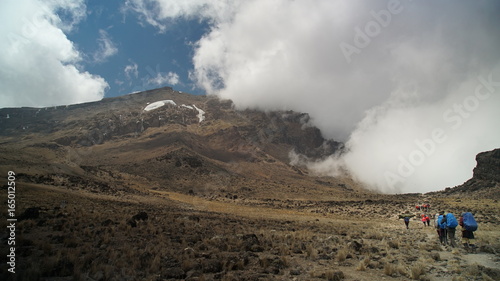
{"x": 155, "y": 264}
{"x": 361, "y": 266}
{"x": 312, "y": 253}
{"x": 417, "y": 270}
{"x": 342, "y": 255}
{"x": 472, "y": 270}
{"x": 334, "y": 275}
{"x": 393, "y": 244}
{"x": 390, "y": 269}
{"x": 402, "y": 270}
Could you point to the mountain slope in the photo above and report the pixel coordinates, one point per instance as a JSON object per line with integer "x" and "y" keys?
{"x": 184, "y": 143}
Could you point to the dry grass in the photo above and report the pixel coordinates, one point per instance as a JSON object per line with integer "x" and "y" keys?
{"x": 417, "y": 270}
{"x": 362, "y": 265}
{"x": 391, "y": 269}
{"x": 176, "y": 241}
{"x": 342, "y": 255}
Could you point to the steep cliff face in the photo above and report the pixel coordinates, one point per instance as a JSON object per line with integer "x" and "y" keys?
{"x": 485, "y": 182}
{"x": 488, "y": 166}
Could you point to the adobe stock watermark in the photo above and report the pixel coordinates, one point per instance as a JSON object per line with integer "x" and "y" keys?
{"x": 29, "y": 28}
{"x": 454, "y": 116}
{"x": 363, "y": 36}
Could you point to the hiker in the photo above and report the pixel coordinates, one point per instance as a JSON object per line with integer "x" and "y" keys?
{"x": 469, "y": 225}
{"x": 451, "y": 224}
{"x": 428, "y": 220}
{"x": 417, "y": 207}
{"x": 441, "y": 228}
{"x": 436, "y": 216}
{"x": 423, "y": 219}
{"x": 406, "y": 218}
{"x": 427, "y": 207}
{"x": 407, "y": 222}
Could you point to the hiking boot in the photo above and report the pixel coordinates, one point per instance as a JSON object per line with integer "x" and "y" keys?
{"x": 472, "y": 246}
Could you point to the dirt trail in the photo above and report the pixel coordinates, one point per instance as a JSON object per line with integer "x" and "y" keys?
{"x": 241, "y": 210}
{"x": 461, "y": 257}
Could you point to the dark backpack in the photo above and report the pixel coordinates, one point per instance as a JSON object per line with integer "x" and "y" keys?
{"x": 451, "y": 221}
{"x": 469, "y": 222}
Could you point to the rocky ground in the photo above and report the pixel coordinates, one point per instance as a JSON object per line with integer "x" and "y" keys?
{"x": 67, "y": 234}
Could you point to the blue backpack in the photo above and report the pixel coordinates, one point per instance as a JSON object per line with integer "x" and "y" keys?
{"x": 451, "y": 221}
{"x": 440, "y": 222}
{"x": 469, "y": 222}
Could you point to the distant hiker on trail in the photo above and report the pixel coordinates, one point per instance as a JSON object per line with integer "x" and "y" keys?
{"x": 469, "y": 225}
{"x": 407, "y": 222}
{"x": 417, "y": 207}
{"x": 451, "y": 224}
{"x": 406, "y": 218}
{"x": 424, "y": 220}
{"x": 426, "y": 207}
{"x": 428, "y": 220}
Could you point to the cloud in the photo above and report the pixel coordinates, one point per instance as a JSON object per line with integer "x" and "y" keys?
{"x": 160, "y": 13}
{"x": 131, "y": 70}
{"x": 380, "y": 75}
{"x": 152, "y": 78}
{"x": 170, "y": 78}
{"x": 39, "y": 66}
{"x": 106, "y": 47}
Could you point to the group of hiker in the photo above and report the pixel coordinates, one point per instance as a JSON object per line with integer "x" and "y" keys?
{"x": 446, "y": 224}
{"x": 424, "y": 207}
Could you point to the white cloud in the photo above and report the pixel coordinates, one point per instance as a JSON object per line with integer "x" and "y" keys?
{"x": 106, "y": 47}
{"x": 131, "y": 70}
{"x": 170, "y": 78}
{"x": 159, "y": 13}
{"x": 376, "y": 74}
{"x": 39, "y": 65}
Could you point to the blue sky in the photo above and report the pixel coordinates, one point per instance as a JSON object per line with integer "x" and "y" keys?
{"x": 409, "y": 86}
{"x": 142, "y": 49}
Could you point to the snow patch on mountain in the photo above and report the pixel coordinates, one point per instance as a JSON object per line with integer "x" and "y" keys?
{"x": 158, "y": 104}
{"x": 201, "y": 114}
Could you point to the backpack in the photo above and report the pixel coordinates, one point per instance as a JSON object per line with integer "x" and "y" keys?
{"x": 469, "y": 222}
{"x": 441, "y": 221}
{"x": 451, "y": 221}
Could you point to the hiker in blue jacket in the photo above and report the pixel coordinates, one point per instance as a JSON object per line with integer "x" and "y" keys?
{"x": 451, "y": 224}
{"x": 406, "y": 218}
{"x": 407, "y": 222}
{"x": 441, "y": 228}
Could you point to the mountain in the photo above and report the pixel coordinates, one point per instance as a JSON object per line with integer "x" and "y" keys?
{"x": 162, "y": 185}
{"x": 164, "y": 140}
{"x": 485, "y": 181}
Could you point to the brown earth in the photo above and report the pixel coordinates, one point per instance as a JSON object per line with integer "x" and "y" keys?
{"x": 108, "y": 191}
